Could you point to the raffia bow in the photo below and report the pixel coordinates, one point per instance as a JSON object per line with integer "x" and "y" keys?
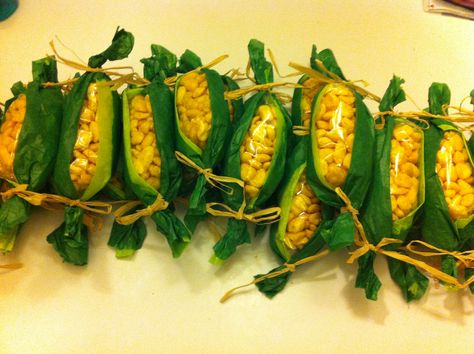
{"x": 214, "y": 180}
{"x": 120, "y": 214}
{"x": 40, "y": 199}
{"x": 331, "y": 78}
{"x": 264, "y": 216}
{"x": 288, "y": 268}
{"x": 365, "y": 246}
{"x": 466, "y": 257}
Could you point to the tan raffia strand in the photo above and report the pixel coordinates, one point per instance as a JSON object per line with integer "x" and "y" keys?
{"x": 236, "y": 74}
{"x": 83, "y": 67}
{"x": 288, "y": 267}
{"x": 170, "y": 81}
{"x": 135, "y": 79}
{"x": 264, "y": 216}
{"x": 120, "y": 214}
{"x": 461, "y": 115}
{"x": 236, "y": 94}
{"x": 125, "y": 79}
{"x": 334, "y": 79}
{"x": 365, "y": 246}
{"x": 275, "y": 66}
{"x": 39, "y": 199}
{"x": 424, "y": 249}
{"x": 219, "y": 182}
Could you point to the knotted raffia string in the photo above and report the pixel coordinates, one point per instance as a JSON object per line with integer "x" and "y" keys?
{"x": 236, "y": 74}
{"x": 236, "y": 94}
{"x": 365, "y": 246}
{"x": 332, "y": 78}
{"x": 264, "y": 216}
{"x": 466, "y": 257}
{"x": 39, "y": 199}
{"x": 288, "y": 267}
{"x": 79, "y": 66}
{"x": 283, "y": 97}
{"x": 275, "y": 66}
{"x": 120, "y": 214}
{"x": 123, "y": 79}
{"x": 135, "y": 79}
{"x": 462, "y": 115}
{"x": 214, "y": 180}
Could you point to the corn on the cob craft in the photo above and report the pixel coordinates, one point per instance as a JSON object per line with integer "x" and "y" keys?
{"x": 28, "y": 143}
{"x": 448, "y": 216}
{"x": 395, "y": 196}
{"x": 303, "y": 221}
{"x": 88, "y": 148}
{"x": 152, "y": 170}
{"x": 454, "y": 170}
{"x": 341, "y": 151}
{"x": 202, "y": 126}
{"x": 256, "y": 154}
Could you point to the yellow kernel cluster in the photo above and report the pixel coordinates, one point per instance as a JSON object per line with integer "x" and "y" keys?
{"x": 86, "y": 148}
{"x": 9, "y": 133}
{"x": 257, "y": 149}
{"x": 194, "y": 108}
{"x": 454, "y": 170}
{"x": 335, "y": 123}
{"x": 404, "y": 170}
{"x": 305, "y": 215}
{"x": 310, "y": 87}
{"x": 145, "y": 154}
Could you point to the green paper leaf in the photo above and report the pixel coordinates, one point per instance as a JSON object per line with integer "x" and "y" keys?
{"x": 410, "y": 280}
{"x": 236, "y": 235}
{"x": 393, "y": 95}
{"x": 366, "y": 277}
{"x": 122, "y": 45}
{"x": 188, "y": 61}
{"x": 262, "y": 68}
{"x": 160, "y": 65}
{"x": 70, "y": 240}
{"x": 272, "y": 286}
{"x": 126, "y": 239}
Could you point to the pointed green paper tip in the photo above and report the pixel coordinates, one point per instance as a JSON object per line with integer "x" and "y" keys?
{"x": 216, "y": 260}
{"x": 125, "y": 253}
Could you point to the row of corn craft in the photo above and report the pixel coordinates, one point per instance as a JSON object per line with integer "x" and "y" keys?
{"x": 184, "y": 130}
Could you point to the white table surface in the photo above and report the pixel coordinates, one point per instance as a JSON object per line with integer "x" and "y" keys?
{"x": 153, "y": 303}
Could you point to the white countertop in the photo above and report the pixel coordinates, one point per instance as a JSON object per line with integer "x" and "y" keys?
{"x": 153, "y": 303}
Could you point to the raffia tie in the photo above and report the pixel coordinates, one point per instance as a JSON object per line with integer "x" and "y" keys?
{"x": 288, "y": 267}
{"x": 461, "y": 116}
{"x": 40, "y": 199}
{"x": 466, "y": 257}
{"x": 214, "y": 180}
{"x": 332, "y": 78}
{"x": 264, "y": 216}
{"x": 365, "y": 246}
{"x": 236, "y": 94}
{"x": 79, "y": 66}
{"x": 120, "y": 214}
